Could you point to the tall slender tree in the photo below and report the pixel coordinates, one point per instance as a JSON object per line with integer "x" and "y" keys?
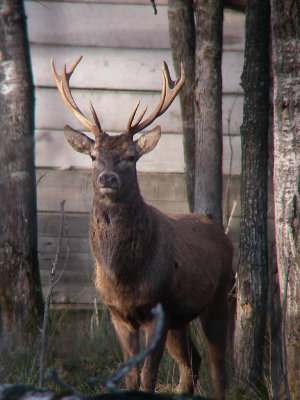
{"x": 182, "y": 38}
{"x": 196, "y": 37}
{"x": 285, "y": 22}
{"x": 252, "y": 275}
{"x": 208, "y": 109}
{"x": 20, "y": 290}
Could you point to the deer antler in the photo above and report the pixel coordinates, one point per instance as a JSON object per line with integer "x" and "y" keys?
{"x": 168, "y": 94}
{"x": 62, "y": 83}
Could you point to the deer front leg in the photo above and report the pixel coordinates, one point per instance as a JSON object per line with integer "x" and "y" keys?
{"x": 129, "y": 342}
{"x": 151, "y": 363}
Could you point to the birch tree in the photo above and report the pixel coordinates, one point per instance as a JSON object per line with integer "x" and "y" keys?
{"x": 285, "y": 22}
{"x": 20, "y": 290}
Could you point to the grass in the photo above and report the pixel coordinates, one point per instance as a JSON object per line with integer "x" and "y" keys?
{"x": 79, "y": 349}
{"x": 75, "y": 351}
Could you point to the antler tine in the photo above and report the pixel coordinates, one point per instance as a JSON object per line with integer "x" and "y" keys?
{"x": 95, "y": 117}
{"x": 129, "y": 128}
{"x": 137, "y": 127}
{"x": 62, "y": 83}
{"x": 173, "y": 87}
{"x": 169, "y": 91}
{"x": 65, "y": 76}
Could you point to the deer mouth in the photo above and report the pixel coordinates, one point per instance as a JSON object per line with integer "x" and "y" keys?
{"x": 108, "y": 191}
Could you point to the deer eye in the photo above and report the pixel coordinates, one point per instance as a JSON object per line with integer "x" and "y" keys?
{"x": 93, "y": 157}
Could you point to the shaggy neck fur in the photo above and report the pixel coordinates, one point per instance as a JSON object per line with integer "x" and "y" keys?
{"x": 122, "y": 237}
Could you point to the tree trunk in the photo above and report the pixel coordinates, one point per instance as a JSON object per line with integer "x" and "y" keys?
{"x": 208, "y": 109}
{"x": 252, "y": 276}
{"x": 182, "y": 37}
{"x": 286, "y": 178}
{"x": 20, "y": 290}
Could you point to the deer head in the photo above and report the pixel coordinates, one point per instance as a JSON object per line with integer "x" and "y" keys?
{"x": 114, "y": 157}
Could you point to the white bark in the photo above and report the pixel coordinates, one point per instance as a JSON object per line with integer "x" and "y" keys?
{"x": 286, "y": 67}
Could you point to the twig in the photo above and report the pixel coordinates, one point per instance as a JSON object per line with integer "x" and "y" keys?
{"x": 288, "y": 256}
{"x": 227, "y": 217}
{"x": 110, "y": 383}
{"x": 52, "y": 375}
{"x": 52, "y": 284}
{"x": 231, "y": 215}
{"x": 95, "y": 317}
{"x": 154, "y": 6}
{"x": 41, "y": 4}
{"x": 41, "y": 178}
{"x": 283, "y": 321}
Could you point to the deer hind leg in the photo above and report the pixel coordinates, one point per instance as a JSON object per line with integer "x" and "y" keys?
{"x": 214, "y": 322}
{"x": 184, "y": 352}
{"x": 129, "y": 342}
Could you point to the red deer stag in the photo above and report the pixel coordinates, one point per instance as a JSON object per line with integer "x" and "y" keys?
{"x": 144, "y": 257}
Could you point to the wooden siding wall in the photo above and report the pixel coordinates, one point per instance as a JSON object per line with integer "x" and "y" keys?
{"x": 123, "y": 45}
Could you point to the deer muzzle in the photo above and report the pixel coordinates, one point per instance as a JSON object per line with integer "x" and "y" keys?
{"x": 108, "y": 183}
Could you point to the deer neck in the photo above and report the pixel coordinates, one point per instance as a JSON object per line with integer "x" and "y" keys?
{"x": 122, "y": 236}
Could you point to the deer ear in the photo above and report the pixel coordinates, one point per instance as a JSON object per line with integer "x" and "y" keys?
{"x": 79, "y": 141}
{"x": 147, "y": 141}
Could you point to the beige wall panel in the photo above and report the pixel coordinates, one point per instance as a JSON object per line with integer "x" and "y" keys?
{"x": 232, "y": 113}
{"x": 161, "y": 190}
{"x": 103, "y": 25}
{"x": 49, "y": 223}
{"x": 80, "y": 264}
{"x": 120, "y": 69}
{"x": 52, "y": 150}
{"x": 48, "y": 245}
{"x": 114, "y": 107}
{"x": 74, "y": 287}
{"x": 122, "y": 25}
{"x": 231, "y": 155}
{"x": 74, "y": 187}
{"x": 102, "y": 68}
{"x": 234, "y": 30}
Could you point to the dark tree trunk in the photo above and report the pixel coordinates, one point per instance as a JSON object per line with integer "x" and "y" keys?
{"x": 252, "y": 277}
{"x": 208, "y": 109}
{"x": 20, "y": 290}
{"x": 285, "y": 23}
{"x": 182, "y": 37}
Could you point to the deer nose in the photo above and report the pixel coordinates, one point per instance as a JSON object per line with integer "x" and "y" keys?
{"x": 108, "y": 180}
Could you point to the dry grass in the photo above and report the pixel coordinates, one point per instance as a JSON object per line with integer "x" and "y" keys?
{"x": 80, "y": 350}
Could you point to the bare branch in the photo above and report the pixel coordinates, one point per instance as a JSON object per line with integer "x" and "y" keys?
{"x": 67, "y": 255}
{"x": 154, "y": 6}
{"x": 283, "y": 322}
{"x": 53, "y": 376}
{"x": 52, "y": 285}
